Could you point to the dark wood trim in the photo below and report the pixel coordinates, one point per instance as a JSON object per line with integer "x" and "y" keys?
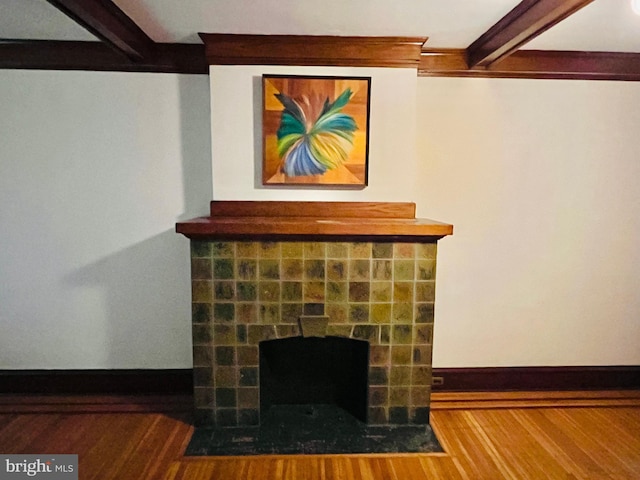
{"x": 526, "y": 21}
{"x": 106, "y": 21}
{"x": 229, "y": 49}
{"x": 96, "y": 382}
{"x": 96, "y": 56}
{"x": 540, "y": 64}
{"x": 493, "y": 379}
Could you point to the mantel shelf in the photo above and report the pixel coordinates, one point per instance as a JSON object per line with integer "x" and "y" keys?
{"x": 337, "y": 220}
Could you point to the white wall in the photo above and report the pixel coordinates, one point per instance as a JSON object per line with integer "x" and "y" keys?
{"x": 236, "y": 103}
{"x": 95, "y": 169}
{"x": 540, "y": 179}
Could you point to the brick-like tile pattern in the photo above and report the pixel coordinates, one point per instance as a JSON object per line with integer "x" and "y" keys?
{"x": 247, "y": 292}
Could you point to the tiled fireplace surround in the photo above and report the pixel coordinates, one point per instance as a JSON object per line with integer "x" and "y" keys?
{"x": 250, "y": 287}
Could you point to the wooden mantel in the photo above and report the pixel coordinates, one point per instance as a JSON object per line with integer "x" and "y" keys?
{"x": 318, "y": 220}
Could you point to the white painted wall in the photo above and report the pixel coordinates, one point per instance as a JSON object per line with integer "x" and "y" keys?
{"x": 95, "y": 169}
{"x": 540, "y": 179}
{"x": 236, "y": 103}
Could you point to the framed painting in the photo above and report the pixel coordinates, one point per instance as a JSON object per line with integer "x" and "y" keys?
{"x": 315, "y": 130}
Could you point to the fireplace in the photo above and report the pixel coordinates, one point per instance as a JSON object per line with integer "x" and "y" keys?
{"x": 312, "y": 302}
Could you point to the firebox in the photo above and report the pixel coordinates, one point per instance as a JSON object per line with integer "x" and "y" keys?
{"x": 298, "y": 303}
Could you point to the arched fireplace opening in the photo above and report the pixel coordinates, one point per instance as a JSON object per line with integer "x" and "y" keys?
{"x": 315, "y": 371}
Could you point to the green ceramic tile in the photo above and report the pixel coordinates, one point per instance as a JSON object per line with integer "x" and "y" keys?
{"x": 292, "y": 249}
{"x": 381, "y": 313}
{"x": 419, "y": 395}
{"x": 224, "y": 312}
{"x": 360, "y": 250}
{"x": 222, "y": 249}
{"x": 241, "y": 334}
{"x": 378, "y": 376}
{"x": 291, "y": 312}
{"x": 226, "y": 417}
{"x": 204, "y": 397}
{"x": 381, "y": 270}
{"x": 201, "y": 291}
{"x": 202, "y": 334}
{"x": 269, "y": 313}
{"x": 401, "y": 354}
{"x": 248, "y": 355}
{"x": 248, "y": 376}
{"x": 358, "y": 291}
{"x": 247, "y": 291}
{"x": 200, "y": 249}
{"x": 202, "y": 355}
{"x": 225, "y": 397}
{"x": 246, "y": 313}
{"x": 291, "y": 291}
{"x": 225, "y": 377}
{"x": 259, "y": 333}
{"x": 423, "y": 334}
{"x": 385, "y": 334}
{"x": 359, "y": 270}
{"x": 377, "y": 416}
{"x": 378, "y": 396}
{"x": 314, "y": 250}
{"x": 248, "y": 397}
{"x": 287, "y": 331}
{"x": 313, "y": 291}
{"x": 269, "y": 291}
{"x": 399, "y": 396}
{"x": 201, "y": 268}
{"x": 337, "y": 270}
{"x": 402, "y": 292}
{"x": 224, "y": 335}
{"x": 292, "y": 269}
{"x": 337, "y": 291}
{"x": 426, "y": 250}
{"x": 337, "y": 250}
{"x": 201, "y": 312}
{"x": 247, "y": 250}
{"x": 403, "y": 270}
{"x": 223, "y": 269}
{"x": 314, "y": 270}
{"x": 339, "y": 330}
{"x": 424, "y": 312}
{"x": 403, "y": 250}
{"x": 382, "y": 250}
{"x": 379, "y": 354}
{"x": 425, "y": 269}
{"x": 365, "y": 332}
{"x": 402, "y": 313}
{"x": 400, "y": 375}
{"x": 224, "y": 290}
{"x": 381, "y": 291}
{"x": 421, "y": 375}
{"x": 247, "y": 269}
{"x": 419, "y": 415}
{"x": 269, "y": 269}
{"x": 399, "y": 415}
{"x": 202, "y": 376}
{"x": 269, "y": 250}
{"x": 225, "y": 356}
{"x": 422, "y": 355}
{"x": 401, "y": 334}
{"x": 358, "y": 313}
{"x": 337, "y": 312}
{"x": 425, "y": 291}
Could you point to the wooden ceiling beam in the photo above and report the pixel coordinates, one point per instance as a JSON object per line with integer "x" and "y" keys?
{"x": 549, "y": 64}
{"x": 526, "y": 21}
{"x": 106, "y": 21}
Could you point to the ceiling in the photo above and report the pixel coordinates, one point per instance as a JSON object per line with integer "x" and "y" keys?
{"x": 599, "y": 26}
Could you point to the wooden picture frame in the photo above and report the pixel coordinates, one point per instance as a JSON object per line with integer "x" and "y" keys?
{"x": 315, "y": 130}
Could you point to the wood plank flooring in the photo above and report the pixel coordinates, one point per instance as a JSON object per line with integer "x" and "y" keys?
{"x": 576, "y": 435}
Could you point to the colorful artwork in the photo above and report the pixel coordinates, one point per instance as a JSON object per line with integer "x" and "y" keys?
{"x": 315, "y": 130}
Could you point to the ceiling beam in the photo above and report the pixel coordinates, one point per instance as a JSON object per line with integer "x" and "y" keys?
{"x": 110, "y": 24}
{"x": 543, "y": 64}
{"x": 526, "y": 21}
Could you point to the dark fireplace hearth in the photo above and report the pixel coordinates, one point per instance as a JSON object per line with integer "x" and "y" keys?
{"x": 327, "y": 320}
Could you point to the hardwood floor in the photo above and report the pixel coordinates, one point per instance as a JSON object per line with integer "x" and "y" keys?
{"x": 560, "y": 435}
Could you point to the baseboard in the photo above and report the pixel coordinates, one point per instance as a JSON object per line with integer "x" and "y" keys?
{"x": 97, "y": 382}
{"x": 496, "y": 379}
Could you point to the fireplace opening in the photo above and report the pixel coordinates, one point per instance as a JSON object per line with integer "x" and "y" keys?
{"x": 315, "y": 371}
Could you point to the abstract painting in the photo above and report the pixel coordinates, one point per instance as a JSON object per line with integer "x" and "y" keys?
{"x": 315, "y": 130}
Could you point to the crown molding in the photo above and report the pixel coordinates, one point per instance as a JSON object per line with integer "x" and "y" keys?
{"x": 539, "y": 64}
{"x": 229, "y": 49}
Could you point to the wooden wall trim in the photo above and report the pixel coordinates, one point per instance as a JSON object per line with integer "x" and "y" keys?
{"x": 96, "y": 56}
{"x": 496, "y": 379}
{"x": 229, "y": 49}
{"x": 538, "y": 64}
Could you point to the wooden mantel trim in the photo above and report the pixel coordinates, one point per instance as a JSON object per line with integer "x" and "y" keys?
{"x": 230, "y": 49}
{"x": 374, "y": 221}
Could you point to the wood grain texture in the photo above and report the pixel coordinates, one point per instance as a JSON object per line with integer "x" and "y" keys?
{"x": 229, "y": 49}
{"x": 521, "y": 442}
{"x": 318, "y": 220}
